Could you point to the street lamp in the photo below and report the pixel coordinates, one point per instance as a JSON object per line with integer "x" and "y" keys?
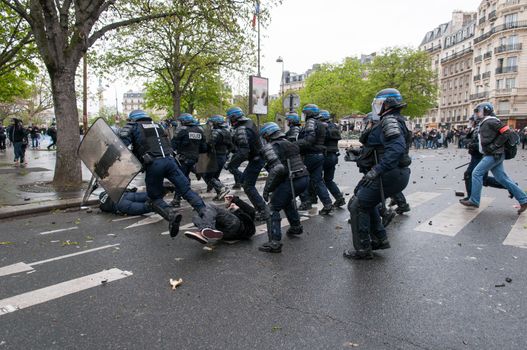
{"x": 281, "y": 60}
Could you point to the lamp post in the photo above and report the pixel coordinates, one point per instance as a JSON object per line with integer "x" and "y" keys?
{"x": 281, "y": 60}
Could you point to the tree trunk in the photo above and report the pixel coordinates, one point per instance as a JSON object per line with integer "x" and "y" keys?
{"x": 67, "y": 166}
{"x": 176, "y": 103}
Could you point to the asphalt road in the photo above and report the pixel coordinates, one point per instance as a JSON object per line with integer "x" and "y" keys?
{"x": 441, "y": 286}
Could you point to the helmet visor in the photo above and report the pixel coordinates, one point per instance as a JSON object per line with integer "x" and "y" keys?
{"x": 376, "y": 105}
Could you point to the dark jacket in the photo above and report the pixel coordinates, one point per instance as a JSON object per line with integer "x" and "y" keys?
{"x": 492, "y": 136}
{"x": 17, "y": 133}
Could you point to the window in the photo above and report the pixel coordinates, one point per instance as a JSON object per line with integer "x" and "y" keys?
{"x": 499, "y": 84}
{"x": 504, "y": 107}
{"x": 511, "y": 19}
{"x": 503, "y": 41}
{"x": 512, "y": 61}
{"x": 513, "y": 40}
{"x": 510, "y": 83}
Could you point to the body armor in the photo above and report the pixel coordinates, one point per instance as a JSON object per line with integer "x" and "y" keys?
{"x": 332, "y": 138}
{"x": 188, "y": 141}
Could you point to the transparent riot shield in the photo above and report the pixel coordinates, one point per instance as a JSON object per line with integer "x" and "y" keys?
{"x": 207, "y": 162}
{"x": 108, "y": 159}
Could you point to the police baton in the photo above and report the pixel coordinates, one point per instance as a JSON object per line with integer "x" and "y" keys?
{"x": 292, "y": 184}
{"x": 461, "y": 166}
{"x": 383, "y": 199}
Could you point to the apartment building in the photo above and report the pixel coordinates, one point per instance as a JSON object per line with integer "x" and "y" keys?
{"x": 500, "y": 59}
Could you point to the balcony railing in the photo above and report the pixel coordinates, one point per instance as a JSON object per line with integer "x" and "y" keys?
{"x": 492, "y": 16}
{"x": 506, "y": 92}
{"x": 503, "y": 111}
{"x": 482, "y": 20}
{"x": 456, "y": 55}
{"x": 509, "y": 3}
{"x": 479, "y": 95}
{"x": 487, "y": 55}
{"x": 433, "y": 48}
{"x": 507, "y": 69}
{"x": 477, "y": 77}
{"x": 500, "y": 28}
{"x": 478, "y": 59}
{"x": 485, "y": 75}
{"x": 507, "y": 48}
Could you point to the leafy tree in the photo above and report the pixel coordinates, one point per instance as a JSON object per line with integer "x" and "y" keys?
{"x": 63, "y": 31}
{"x": 407, "y": 70}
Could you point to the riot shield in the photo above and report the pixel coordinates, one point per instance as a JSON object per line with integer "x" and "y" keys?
{"x": 207, "y": 162}
{"x": 108, "y": 159}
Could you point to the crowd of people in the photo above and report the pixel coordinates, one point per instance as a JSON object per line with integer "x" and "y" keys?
{"x": 19, "y": 136}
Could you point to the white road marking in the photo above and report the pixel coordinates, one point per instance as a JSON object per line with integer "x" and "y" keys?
{"x": 125, "y": 218}
{"x": 149, "y": 220}
{"x": 517, "y": 237}
{"x": 60, "y": 230}
{"x": 261, "y": 229}
{"x": 417, "y": 198}
{"x": 59, "y": 290}
{"x": 24, "y": 267}
{"x": 452, "y": 220}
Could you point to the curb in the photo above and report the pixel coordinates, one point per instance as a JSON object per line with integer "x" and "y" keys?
{"x": 27, "y": 209}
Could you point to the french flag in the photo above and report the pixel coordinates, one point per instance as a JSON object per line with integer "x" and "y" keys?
{"x": 256, "y": 13}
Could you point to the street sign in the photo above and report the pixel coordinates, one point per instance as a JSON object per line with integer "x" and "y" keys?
{"x": 291, "y": 102}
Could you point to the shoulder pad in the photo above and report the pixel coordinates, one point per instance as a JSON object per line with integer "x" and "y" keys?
{"x": 269, "y": 154}
{"x": 126, "y": 130}
{"x": 390, "y": 127}
{"x": 240, "y": 135}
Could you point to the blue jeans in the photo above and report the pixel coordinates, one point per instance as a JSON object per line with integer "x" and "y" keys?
{"x": 20, "y": 151}
{"x": 249, "y": 177}
{"x": 487, "y": 180}
{"x": 330, "y": 163}
{"x": 133, "y": 203}
{"x": 167, "y": 168}
{"x": 282, "y": 199}
{"x": 494, "y": 165}
{"x": 315, "y": 165}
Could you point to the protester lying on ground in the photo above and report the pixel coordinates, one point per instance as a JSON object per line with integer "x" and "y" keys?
{"x": 131, "y": 203}
{"x": 234, "y": 223}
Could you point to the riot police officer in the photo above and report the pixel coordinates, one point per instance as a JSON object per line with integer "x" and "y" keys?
{"x": 293, "y": 122}
{"x": 248, "y": 148}
{"x": 151, "y": 146}
{"x": 220, "y": 143}
{"x": 388, "y": 174}
{"x": 286, "y": 172}
{"x": 332, "y": 158}
{"x": 311, "y": 140}
{"x": 188, "y": 142}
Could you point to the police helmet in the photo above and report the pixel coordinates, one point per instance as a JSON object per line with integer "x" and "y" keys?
{"x": 270, "y": 130}
{"x": 216, "y": 120}
{"x": 235, "y": 115}
{"x": 293, "y": 118}
{"x": 187, "y": 119}
{"x": 387, "y": 100}
{"x": 324, "y": 115}
{"x": 311, "y": 111}
{"x": 486, "y": 108}
{"x": 137, "y": 115}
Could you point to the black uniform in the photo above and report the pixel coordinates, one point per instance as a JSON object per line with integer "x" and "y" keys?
{"x": 221, "y": 144}
{"x": 330, "y": 162}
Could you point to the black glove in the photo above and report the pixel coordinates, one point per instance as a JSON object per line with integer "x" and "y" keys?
{"x": 369, "y": 178}
{"x": 266, "y": 196}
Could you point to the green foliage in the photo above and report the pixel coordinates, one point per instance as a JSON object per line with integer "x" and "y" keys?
{"x": 410, "y": 72}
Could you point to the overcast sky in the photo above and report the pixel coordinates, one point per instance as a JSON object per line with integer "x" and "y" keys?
{"x": 305, "y": 32}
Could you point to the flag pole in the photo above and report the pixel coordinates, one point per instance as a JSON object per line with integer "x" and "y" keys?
{"x": 258, "y": 19}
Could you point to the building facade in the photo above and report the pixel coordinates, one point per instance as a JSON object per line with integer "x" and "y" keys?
{"x": 132, "y": 101}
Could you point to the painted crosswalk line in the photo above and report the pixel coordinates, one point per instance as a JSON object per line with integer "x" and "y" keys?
{"x": 26, "y": 267}
{"x": 416, "y": 199}
{"x": 152, "y": 219}
{"x": 517, "y": 237}
{"x": 60, "y": 230}
{"x": 59, "y": 290}
{"x": 452, "y": 220}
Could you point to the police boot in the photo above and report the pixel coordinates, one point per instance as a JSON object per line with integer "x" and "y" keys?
{"x": 387, "y": 216}
{"x": 176, "y": 202}
{"x": 365, "y": 254}
{"x": 326, "y": 210}
{"x": 295, "y": 230}
{"x": 339, "y": 202}
{"x": 261, "y": 215}
{"x": 174, "y": 219}
{"x": 221, "y": 194}
{"x": 402, "y": 208}
{"x": 304, "y": 206}
{"x": 380, "y": 244}
{"x": 237, "y": 186}
{"x": 271, "y": 247}
{"x": 209, "y": 188}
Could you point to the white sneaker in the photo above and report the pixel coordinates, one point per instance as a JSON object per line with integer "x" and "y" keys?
{"x": 197, "y": 236}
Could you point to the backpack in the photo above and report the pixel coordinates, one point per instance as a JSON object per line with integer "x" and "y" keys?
{"x": 511, "y": 145}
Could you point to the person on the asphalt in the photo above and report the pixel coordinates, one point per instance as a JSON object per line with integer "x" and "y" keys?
{"x": 386, "y": 161}
{"x": 131, "y": 203}
{"x": 493, "y": 134}
{"x": 236, "y": 222}
{"x": 17, "y": 134}
{"x": 150, "y": 144}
